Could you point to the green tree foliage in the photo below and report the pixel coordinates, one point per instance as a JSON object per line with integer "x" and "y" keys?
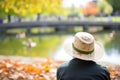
{"x": 30, "y": 7}
{"x": 105, "y": 7}
{"x": 115, "y": 4}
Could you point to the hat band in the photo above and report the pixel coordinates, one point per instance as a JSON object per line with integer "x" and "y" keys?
{"x": 80, "y": 51}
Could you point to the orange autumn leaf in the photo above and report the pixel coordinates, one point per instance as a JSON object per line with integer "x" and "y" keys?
{"x": 46, "y": 68}
{"x": 112, "y": 73}
{"x": 32, "y": 69}
{"x": 41, "y": 78}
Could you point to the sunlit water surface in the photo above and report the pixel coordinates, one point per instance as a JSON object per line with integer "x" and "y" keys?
{"x": 111, "y": 45}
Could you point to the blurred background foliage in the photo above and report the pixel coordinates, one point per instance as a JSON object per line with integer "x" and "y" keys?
{"x": 27, "y": 8}
{"x": 30, "y": 7}
{"x": 115, "y": 5}
{"x": 105, "y": 7}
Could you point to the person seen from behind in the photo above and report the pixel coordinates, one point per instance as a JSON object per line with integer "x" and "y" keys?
{"x": 85, "y": 51}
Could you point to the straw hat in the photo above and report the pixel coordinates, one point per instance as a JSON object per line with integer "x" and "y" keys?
{"x": 84, "y": 46}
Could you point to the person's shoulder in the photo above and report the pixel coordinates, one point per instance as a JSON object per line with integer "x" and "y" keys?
{"x": 104, "y": 71}
{"x": 65, "y": 64}
{"x": 62, "y": 69}
{"x": 103, "y": 68}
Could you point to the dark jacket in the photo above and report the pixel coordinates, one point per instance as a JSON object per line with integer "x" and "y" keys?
{"x": 77, "y": 69}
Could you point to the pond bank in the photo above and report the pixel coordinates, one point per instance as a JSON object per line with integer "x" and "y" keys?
{"x": 24, "y": 61}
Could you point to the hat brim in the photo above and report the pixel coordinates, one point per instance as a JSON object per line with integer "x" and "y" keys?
{"x": 95, "y": 55}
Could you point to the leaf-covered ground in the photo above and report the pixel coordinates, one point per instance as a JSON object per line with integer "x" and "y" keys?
{"x": 19, "y": 68}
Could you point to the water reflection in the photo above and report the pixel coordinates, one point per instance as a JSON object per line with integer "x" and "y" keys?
{"x": 112, "y": 48}
{"x": 113, "y": 58}
{"x": 111, "y": 44}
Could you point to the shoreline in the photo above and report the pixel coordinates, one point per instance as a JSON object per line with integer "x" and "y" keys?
{"x": 32, "y": 59}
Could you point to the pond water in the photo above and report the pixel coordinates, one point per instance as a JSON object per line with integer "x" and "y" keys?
{"x": 110, "y": 40}
{"x": 111, "y": 44}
